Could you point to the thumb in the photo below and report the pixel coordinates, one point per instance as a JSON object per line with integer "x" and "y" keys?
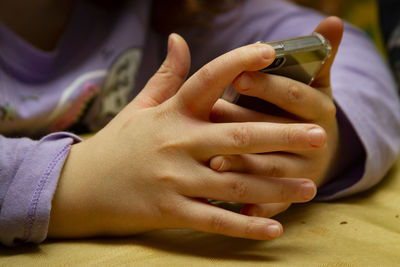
{"x": 332, "y": 29}
{"x": 169, "y": 77}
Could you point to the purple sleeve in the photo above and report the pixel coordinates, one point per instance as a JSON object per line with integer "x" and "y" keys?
{"x": 363, "y": 87}
{"x": 29, "y": 172}
{"x": 365, "y": 91}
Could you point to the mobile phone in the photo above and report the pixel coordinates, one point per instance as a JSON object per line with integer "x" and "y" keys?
{"x": 298, "y": 58}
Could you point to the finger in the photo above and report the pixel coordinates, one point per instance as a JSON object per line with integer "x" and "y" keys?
{"x": 246, "y": 188}
{"x": 204, "y": 88}
{"x": 169, "y": 77}
{"x": 269, "y": 165}
{"x": 224, "y": 111}
{"x": 332, "y": 29}
{"x": 211, "y": 219}
{"x": 266, "y": 210}
{"x": 288, "y": 94}
{"x": 255, "y": 137}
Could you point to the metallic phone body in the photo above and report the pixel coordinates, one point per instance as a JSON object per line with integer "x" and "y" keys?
{"x": 298, "y": 58}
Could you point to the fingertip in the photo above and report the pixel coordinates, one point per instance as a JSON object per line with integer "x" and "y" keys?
{"x": 267, "y": 51}
{"x": 171, "y": 40}
{"x": 274, "y": 231}
{"x": 330, "y": 23}
{"x": 317, "y": 137}
{"x": 332, "y": 29}
{"x": 308, "y": 190}
{"x": 220, "y": 163}
{"x": 180, "y": 49}
{"x": 242, "y": 83}
{"x": 256, "y": 56}
{"x": 335, "y": 21}
{"x": 174, "y": 37}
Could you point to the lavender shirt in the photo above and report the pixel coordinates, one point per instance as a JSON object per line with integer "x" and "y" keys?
{"x": 105, "y": 59}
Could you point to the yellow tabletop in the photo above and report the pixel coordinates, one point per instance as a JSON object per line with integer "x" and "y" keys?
{"x": 363, "y": 230}
{"x": 359, "y": 231}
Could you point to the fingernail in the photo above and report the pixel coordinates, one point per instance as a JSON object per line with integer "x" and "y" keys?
{"x": 243, "y": 83}
{"x": 274, "y": 231}
{"x": 317, "y": 137}
{"x": 308, "y": 191}
{"x": 267, "y": 51}
{"x": 219, "y": 163}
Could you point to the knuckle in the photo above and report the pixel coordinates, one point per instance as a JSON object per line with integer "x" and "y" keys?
{"x": 290, "y": 136}
{"x": 249, "y": 227}
{"x": 169, "y": 209}
{"x": 169, "y": 177}
{"x": 206, "y": 75}
{"x": 168, "y": 144}
{"x": 169, "y": 147}
{"x": 244, "y": 58}
{"x": 241, "y": 136}
{"x": 283, "y": 194}
{"x": 239, "y": 189}
{"x": 165, "y": 70}
{"x": 218, "y": 224}
{"x": 170, "y": 72}
{"x": 166, "y": 179}
{"x": 274, "y": 170}
{"x": 166, "y": 208}
{"x": 293, "y": 93}
{"x": 162, "y": 113}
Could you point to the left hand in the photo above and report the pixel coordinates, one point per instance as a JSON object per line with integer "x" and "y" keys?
{"x": 305, "y": 104}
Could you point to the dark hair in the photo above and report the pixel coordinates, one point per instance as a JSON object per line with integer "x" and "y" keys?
{"x": 172, "y": 15}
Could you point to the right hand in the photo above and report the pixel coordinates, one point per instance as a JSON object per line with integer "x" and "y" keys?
{"x": 148, "y": 168}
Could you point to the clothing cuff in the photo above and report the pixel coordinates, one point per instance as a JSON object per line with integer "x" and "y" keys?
{"x": 351, "y": 159}
{"x": 25, "y": 212}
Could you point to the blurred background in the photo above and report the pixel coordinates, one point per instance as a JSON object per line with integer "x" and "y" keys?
{"x": 362, "y": 13}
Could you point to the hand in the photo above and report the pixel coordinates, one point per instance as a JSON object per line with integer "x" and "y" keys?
{"x": 305, "y": 104}
{"x": 148, "y": 168}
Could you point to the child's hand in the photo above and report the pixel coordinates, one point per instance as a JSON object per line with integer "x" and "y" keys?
{"x": 307, "y": 104}
{"x": 148, "y": 168}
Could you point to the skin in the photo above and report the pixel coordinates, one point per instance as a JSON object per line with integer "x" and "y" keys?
{"x": 307, "y": 104}
{"x": 135, "y": 176}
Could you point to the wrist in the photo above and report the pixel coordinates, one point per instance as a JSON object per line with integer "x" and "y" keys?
{"x": 72, "y": 213}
